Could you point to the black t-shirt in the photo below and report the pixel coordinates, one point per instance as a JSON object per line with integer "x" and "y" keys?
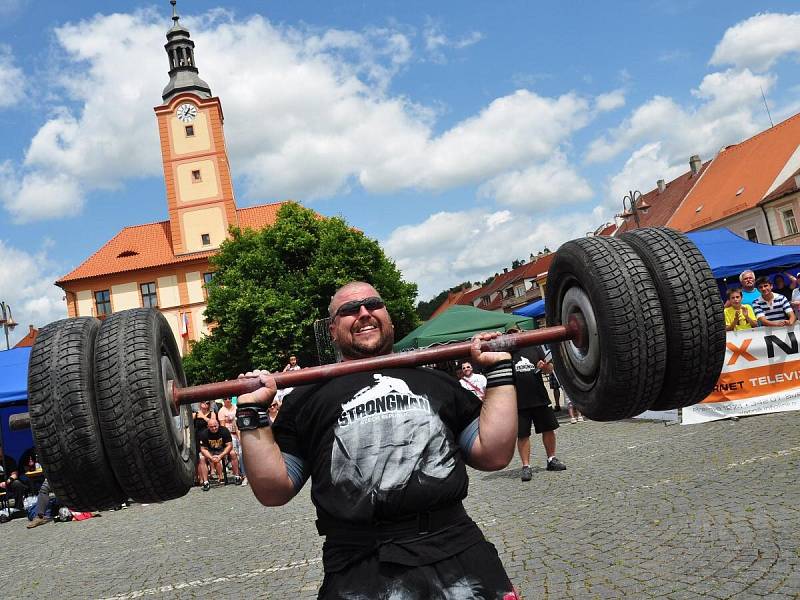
{"x": 380, "y": 446}
{"x": 528, "y": 378}
{"x": 215, "y": 442}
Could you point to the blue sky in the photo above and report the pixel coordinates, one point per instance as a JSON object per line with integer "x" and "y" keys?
{"x": 461, "y": 135}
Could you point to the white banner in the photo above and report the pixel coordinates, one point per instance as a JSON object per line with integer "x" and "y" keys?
{"x": 761, "y": 374}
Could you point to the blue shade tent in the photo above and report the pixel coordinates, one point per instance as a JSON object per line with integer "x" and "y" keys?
{"x": 13, "y": 400}
{"x": 534, "y": 309}
{"x": 14, "y": 375}
{"x": 729, "y": 255}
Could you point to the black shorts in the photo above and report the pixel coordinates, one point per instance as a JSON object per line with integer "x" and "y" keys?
{"x": 541, "y": 417}
{"x": 478, "y": 569}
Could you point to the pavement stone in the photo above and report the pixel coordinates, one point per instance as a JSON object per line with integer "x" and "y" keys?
{"x": 643, "y": 511}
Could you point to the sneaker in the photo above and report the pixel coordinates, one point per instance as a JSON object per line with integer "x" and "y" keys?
{"x": 244, "y": 481}
{"x": 38, "y": 521}
{"x": 573, "y": 420}
{"x": 206, "y": 486}
{"x": 553, "y": 464}
{"x": 580, "y": 419}
{"x": 527, "y": 473}
{"x": 237, "y": 480}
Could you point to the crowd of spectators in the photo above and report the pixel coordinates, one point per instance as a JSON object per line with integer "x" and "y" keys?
{"x": 761, "y": 302}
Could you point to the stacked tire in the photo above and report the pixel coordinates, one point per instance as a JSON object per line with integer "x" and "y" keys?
{"x": 656, "y": 331}
{"x": 100, "y": 414}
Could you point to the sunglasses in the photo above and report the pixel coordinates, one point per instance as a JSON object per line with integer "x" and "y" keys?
{"x": 349, "y": 309}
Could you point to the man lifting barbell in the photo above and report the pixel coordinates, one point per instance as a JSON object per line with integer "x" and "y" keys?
{"x": 386, "y": 452}
{"x": 634, "y": 323}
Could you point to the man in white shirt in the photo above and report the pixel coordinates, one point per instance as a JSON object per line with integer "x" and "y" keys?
{"x": 474, "y": 382}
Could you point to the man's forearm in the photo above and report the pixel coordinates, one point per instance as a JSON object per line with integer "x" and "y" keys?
{"x": 493, "y": 449}
{"x": 265, "y": 467}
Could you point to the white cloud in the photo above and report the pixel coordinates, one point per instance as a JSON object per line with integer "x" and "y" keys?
{"x": 758, "y": 42}
{"x": 308, "y": 114}
{"x": 610, "y": 101}
{"x": 436, "y": 42}
{"x": 549, "y": 184}
{"x": 12, "y": 80}
{"x": 27, "y": 284}
{"x": 641, "y": 171}
{"x": 450, "y": 247}
{"x": 725, "y": 115}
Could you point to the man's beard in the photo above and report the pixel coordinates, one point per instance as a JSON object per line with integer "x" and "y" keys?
{"x": 367, "y": 350}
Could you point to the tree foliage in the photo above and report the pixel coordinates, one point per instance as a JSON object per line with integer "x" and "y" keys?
{"x": 271, "y": 285}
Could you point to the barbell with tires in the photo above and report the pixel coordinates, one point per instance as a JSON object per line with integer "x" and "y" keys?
{"x": 634, "y": 323}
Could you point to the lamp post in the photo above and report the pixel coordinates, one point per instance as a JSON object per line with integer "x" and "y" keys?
{"x": 632, "y": 205}
{"x": 7, "y": 321}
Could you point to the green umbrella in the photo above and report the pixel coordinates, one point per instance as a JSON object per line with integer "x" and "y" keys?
{"x": 459, "y": 323}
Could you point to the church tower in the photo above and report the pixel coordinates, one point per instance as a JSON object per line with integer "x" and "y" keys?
{"x": 196, "y": 171}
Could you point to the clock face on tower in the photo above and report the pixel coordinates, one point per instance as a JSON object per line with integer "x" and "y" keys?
{"x": 186, "y": 112}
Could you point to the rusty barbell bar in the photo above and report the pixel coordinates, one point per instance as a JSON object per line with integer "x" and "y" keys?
{"x": 574, "y": 330}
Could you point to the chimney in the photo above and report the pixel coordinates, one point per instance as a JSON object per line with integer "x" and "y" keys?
{"x": 505, "y": 269}
{"x": 695, "y": 164}
{"x": 662, "y": 187}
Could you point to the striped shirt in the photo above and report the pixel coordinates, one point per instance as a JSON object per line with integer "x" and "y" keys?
{"x": 778, "y": 310}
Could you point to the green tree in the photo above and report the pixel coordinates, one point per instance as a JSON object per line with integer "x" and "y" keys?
{"x": 271, "y": 285}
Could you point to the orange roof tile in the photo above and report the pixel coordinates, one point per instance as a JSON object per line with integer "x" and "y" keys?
{"x": 664, "y": 204}
{"x": 739, "y": 177}
{"x": 150, "y": 245}
{"x": 29, "y": 338}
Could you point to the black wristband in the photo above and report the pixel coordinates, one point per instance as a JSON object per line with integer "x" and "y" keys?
{"x": 500, "y": 373}
{"x": 251, "y": 416}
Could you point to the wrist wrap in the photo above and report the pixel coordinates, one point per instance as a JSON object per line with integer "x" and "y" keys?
{"x": 500, "y": 373}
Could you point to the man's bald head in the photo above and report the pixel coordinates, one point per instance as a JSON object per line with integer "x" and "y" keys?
{"x": 353, "y": 286}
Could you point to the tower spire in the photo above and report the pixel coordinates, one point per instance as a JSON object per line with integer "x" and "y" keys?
{"x": 183, "y": 73}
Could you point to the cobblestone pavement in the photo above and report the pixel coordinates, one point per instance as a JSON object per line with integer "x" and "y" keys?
{"x": 643, "y": 511}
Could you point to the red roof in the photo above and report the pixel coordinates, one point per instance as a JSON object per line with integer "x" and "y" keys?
{"x": 150, "y": 245}
{"x": 740, "y": 176}
{"x": 787, "y": 187}
{"x": 664, "y": 204}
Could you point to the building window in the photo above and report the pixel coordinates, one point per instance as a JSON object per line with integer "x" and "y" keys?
{"x": 207, "y": 277}
{"x": 788, "y": 221}
{"x": 751, "y": 235}
{"x": 149, "y": 298}
{"x": 190, "y": 131}
{"x": 206, "y": 239}
{"x": 196, "y": 176}
{"x": 102, "y": 302}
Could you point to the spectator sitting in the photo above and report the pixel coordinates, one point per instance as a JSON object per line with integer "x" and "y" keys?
{"x": 227, "y": 418}
{"x": 772, "y": 310}
{"x": 292, "y": 365}
{"x": 215, "y": 444}
{"x": 15, "y": 489}
{"x": 472, "y": 382}
{"x": 737, "y": 315}
{"x": 749, "y": 291}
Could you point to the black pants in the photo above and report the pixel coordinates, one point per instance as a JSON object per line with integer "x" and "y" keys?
{"x": 473, "y": 573}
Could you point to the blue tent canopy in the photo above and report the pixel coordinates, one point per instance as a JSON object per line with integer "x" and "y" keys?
{"x": 729, "y": 255}
{"x": 14, "y": 375}
{"x": 534, "y": 309}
